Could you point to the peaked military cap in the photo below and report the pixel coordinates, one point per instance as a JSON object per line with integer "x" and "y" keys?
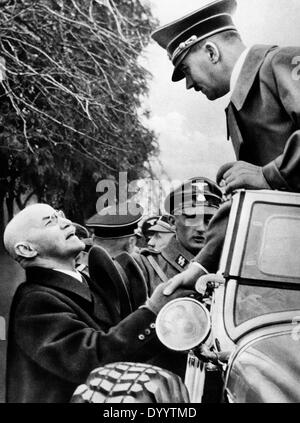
{"x": 179, "y": 36}
{"x": 148, "y": 224}
{"x": 163, "y": 225}
{"x": 196, "y": 196}
{"x": 118, "y": 221}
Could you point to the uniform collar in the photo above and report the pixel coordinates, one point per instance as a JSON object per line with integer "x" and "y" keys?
{"x": 173, "y": 251}
{"x": 56, "y": 279}
{"x": 237, "y": 69}
{"x": 249, "y": 70}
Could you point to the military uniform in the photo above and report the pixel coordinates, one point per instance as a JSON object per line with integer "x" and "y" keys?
{"x": 263, "y": 116}
{"x": 160, "y": 266}
{"x": 111, "y": 223}
{"x": 196, "y": 196}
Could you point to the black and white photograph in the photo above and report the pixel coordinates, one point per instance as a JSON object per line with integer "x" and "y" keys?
{"x": 149, "y": 204}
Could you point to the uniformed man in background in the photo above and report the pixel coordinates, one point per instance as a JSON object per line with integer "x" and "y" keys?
{"x": 193, "y": 204}
{"x": 115, "y": 228}
{"x": 162, "y": 232}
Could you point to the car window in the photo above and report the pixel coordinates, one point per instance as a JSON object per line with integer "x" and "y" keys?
{"x": 254, "y": 301}
{"x": 279, "y": 255}
{"x": 272, "y": 249}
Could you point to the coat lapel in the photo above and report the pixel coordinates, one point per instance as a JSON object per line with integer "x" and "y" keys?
{"x": 252, "y": 65}
{"x": 233, "y": 130}
{"x": 52, "y": 278}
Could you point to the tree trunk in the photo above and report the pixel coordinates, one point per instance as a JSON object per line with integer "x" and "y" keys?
{"x": 2, "y": 223}
{"x": 10, "y": 206}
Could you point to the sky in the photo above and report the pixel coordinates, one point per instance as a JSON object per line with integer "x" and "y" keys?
{"x": 191, "y": 129}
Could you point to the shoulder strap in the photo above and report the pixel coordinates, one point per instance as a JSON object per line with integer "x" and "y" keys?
{"x": 157, "y": 269}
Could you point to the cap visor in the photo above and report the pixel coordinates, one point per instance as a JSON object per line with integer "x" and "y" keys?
{"x": 159, "y": 228}
{"x": 178, "y": 75}
{"x": 191, "y": 211}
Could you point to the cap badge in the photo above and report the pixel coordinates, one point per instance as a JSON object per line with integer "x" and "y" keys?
{"x": 200, "y": 185}
{"x": 182, "y": 46}
{"x": 201, "y": 198}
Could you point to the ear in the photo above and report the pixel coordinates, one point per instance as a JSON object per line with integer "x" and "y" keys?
{"x": 213, "y": 52}
{"x": 25, "y": 250}
{"x": 132, "y": 241}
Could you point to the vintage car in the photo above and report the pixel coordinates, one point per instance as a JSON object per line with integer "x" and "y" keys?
{"x": 247, "y": 327}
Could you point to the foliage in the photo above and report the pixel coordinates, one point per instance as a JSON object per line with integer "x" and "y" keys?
{"x": 71, "y": 100}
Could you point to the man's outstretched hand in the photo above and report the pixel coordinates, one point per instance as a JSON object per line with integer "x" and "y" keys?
{"x": 186, "y": 279}
{"x": 158, "y": 300}
{"x": 239, "y": 175}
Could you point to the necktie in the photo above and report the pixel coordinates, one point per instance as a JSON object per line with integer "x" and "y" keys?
{"x": 233, "y": 130}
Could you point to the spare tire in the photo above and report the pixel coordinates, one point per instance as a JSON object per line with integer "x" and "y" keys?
{"x": 131, "y": 383}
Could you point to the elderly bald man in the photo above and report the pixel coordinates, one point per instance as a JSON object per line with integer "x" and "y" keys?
{"x": 61, "y": 327}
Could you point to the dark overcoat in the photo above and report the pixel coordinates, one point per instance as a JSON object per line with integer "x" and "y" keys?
{"x": 60, "y": 330}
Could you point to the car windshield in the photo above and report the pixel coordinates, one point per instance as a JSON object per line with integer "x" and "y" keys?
{"x": 254, "y": 301}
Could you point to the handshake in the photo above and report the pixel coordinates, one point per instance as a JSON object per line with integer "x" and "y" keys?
{"x": 182, "y": 285}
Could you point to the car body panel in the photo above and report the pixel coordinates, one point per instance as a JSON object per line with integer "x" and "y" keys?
{"x": 266, "y": 369}
{"x": 256, "y": 314}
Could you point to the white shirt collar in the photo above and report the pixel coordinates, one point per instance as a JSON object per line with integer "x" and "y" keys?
{"x": 237, "y": 70}
{"x": 72, "y": 273}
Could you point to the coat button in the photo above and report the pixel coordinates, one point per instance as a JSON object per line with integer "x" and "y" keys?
{"x": 147, "y": 331}
{"x": 141, "y": 337}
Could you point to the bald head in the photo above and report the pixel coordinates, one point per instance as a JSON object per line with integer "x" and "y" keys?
{"x": 21, "y": 226}
{"x": 39, "y": 233}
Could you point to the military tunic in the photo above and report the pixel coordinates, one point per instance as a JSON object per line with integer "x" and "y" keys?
{"x": 264, "y": 126}
{"x": 173, "y": 259}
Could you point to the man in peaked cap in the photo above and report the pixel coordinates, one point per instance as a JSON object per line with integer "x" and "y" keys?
{"x": 146, "y": 226}
{"x": 263, "y": 116}
{"x": 115, "y": 227}
{"x": 192, "y": 205}
{"x": 161, "y": 232}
